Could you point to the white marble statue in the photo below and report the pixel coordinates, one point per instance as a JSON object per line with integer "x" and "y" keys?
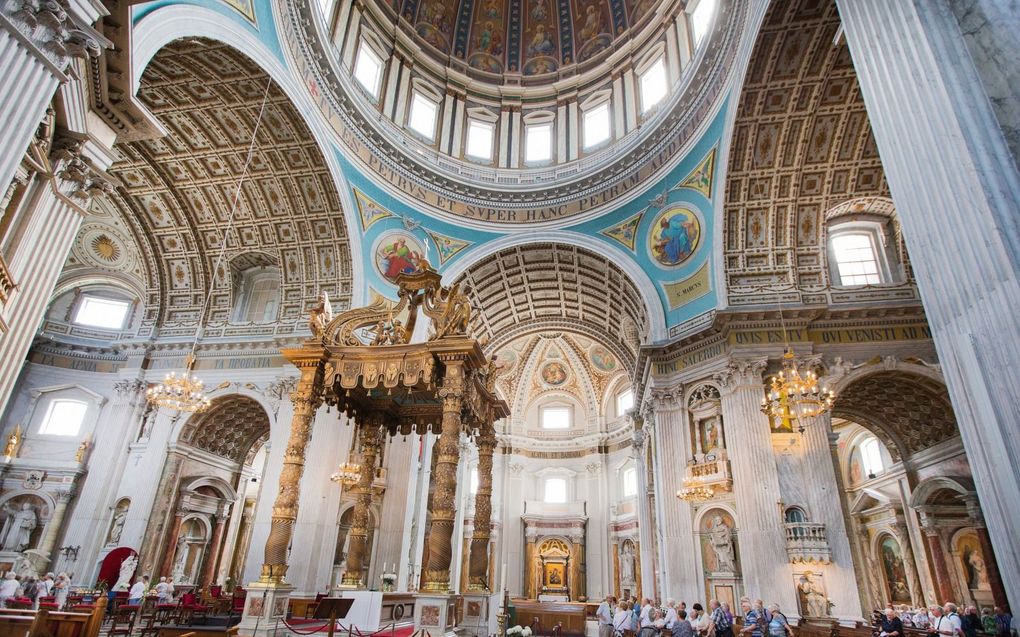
{"x": 627, "y": 564}
{"x": 117, "y": 527}
{"x": 815, "y": 601}
{"x": 127, "y": 571}
{"x": 721, "y": 540}
{"x": 17, "y": 531}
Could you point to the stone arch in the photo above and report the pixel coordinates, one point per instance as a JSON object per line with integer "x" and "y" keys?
{"x": 908, "y": 412}
{"x": 924, "y": 492}
{"x": 228, "y": 429}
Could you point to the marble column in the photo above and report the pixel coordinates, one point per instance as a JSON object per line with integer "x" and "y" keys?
{"x": 38, "y": 43}
{"x": 761, "y": 538}
{"x": 56, "y": 205}
{"x": 645, "y": 556}
{"x": 369, "y": 438}
{"x": 940, "y": 568}
{"x": 213, "y": 553}
{"x": 170, "y": 552}
{"x": 478, "y": 565}
{"x": 306, "y": 398}
{"x": 909, "y": 563}
{"x": 949, "y": 166}
{"x": 444, "y": 511}
{"x": 530, "y": 566}
{"x": 576, "y": 577}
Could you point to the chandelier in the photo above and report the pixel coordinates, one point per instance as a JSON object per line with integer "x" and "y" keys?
{"x": 794, "y": 395}
{"x": 693, "y": 491}
{"x": 180, "y": 393}
{"x": 348, "y": 474}
{"x": 185, "y": 392}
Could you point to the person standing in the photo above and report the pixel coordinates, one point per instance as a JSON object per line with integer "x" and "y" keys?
{"x": 719, "y": 623}
{"x": 779, "y": 626}
{"x": 137, "y": 591}
{"x": 622, "y": 620}
{"x": 61, "y": 587}
{"x": 8, "y": 588}
{"x": 670, "y": 618}
{"x": 891, "y": 624}
{"x": 604, "y": 615}
{"x": 956, "y": 624}
{"x": 970, "y": 622}
{"x": 1003, "y": 622}
{"x": 752, "y": 619}
{"x": 682, "y": 627}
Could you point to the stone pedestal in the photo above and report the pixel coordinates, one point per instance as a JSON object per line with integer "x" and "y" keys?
{"x": 480, "y": 610}
{"x": 435, "y": 613}
{"x": 264, "y": 609}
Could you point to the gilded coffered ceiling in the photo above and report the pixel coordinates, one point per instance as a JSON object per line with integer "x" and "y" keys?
{"x": 176, "y": 191}
{"x": 555, "y": 286}
{"x": 231, "y": 428}
{"x": 802, "y": 144}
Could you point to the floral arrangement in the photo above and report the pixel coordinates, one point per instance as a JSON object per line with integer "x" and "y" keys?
{"x": 389, "y": 581}
{"x": 517, "y": 630}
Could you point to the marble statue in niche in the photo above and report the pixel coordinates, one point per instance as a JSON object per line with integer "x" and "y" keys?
{"x": 17, "y": 531}
{"x": 720, "y": 538}
{"x": 811, "y": 595}
{"x": 117, "y": 523}
{"x": 627, "y": 564}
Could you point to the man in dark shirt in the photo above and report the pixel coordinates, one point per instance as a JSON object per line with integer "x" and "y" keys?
{"x": 970, "y": 622}
{"x": 891, "y": 624}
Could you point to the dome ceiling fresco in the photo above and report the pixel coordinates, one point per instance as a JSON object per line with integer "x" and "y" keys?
{"x": 532, "y": 37}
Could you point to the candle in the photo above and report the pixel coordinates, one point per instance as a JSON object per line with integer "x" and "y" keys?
{"x": 502, "y": 585}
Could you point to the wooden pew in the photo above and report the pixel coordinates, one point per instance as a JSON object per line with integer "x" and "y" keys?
{"x": 44, "y": 623}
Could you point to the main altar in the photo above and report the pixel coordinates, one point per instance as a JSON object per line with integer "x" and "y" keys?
{"x": 363, "y": 363}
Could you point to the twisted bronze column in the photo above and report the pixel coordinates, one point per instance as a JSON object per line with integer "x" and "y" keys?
{"x": 306, "y": 397}
{"x": 478, "y": 566}
{"x": 369, "y": 436}
{"x": 437, "y": 577}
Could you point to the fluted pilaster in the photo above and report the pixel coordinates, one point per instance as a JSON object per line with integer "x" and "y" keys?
{"x": 646, "y": 552}
{"x": 761, "y": 538}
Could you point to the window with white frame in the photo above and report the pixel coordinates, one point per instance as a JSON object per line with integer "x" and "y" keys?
{"x": 556, "y": 418}
{"x": 479, "y": 139}
{"x": 597, "y": 127}
{"x": 624, "y": 401}
{"x": 871, "y": 457}
{"x": 422, "y": 116}
{"x": 653, "y": 85}
{"x": 259, "y": 300}
{"x": 629, "y": 482}
{"x": 101, "y": 312}
{"x": 701, "y": 19}
{"x": 368, "y": 68}
{"x": 473, "y": 486}
{"x": 856, "y": 257}
{"x": 538, "y": 142}
{"x": 64, "y": 417}
{"x": 555, "y": 491}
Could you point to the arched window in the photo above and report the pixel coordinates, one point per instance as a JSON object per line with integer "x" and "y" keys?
{"x": 64, "y": 417}
{"x": 556, "y": 417}
{"x": 101, "y": 312}
{"x": 860, "y": 252}
{"x": 871, "y": 456}
{"x": 629, "y": 482}
{"x": 259, "y": 295}
{"x": 795, "y": 515}
{"x": 555, "y": 490}
{"x": 624, "y": 401}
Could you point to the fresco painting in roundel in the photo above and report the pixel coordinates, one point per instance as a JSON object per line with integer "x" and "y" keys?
{"x": 505, "y": 361}
{"x": 398, "y": 252}
{"x": 554, "y": 373}
{"x": 674, "y": 236}
{"x": 602, "y": 359}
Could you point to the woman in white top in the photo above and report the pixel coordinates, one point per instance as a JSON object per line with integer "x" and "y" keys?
{"x": 699, "y": 620}
{"x": 621, "y": 620}
{"x": 8, "y": 588}
{"x": 60, "y": 589}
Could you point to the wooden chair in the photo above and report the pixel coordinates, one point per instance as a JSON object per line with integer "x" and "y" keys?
{"x": 153, "y": 623}
{"x": 123, "y": 621}
{"x": 191, "y": 609}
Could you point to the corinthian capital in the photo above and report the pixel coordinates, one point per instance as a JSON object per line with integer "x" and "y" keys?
{"x": 57, "y": 34}
{"x": 76, "y": 175}
{"x": 740, "y": 372}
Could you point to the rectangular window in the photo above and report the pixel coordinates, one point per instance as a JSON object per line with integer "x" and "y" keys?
{"x": 596, "y": 125}
{"x": 856, "y": 259}
{"x": 629, "y": 482}
{"x": 555, "y": 490}
{"x": 422, "y": 118}
{"x": 368, "y": 69}
{"x": 538, "y": 142}
{"x": 701, "y": 19}
{"x": 479, "y": 139}
{"x": 474, "y": 481}
{"x": 624, "y": 401}
{"x": 556, "y": 418}
{"x": 64, "y": 418}
{"x": 871, "y": 457}
{"x": 107, "y": 314}
{"x": 653, "y": 85}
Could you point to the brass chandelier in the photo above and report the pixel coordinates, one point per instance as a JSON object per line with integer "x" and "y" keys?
{"x": 185, "y": 392}
{"x": 793, "y": 395}
{"x": 347, "y": 474}
{"x": 693, "y": 491}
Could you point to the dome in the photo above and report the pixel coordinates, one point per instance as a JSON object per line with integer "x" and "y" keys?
{"x": 614, "y": 91}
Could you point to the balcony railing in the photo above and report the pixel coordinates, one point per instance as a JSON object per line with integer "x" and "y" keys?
{"x": 807, "y": 542}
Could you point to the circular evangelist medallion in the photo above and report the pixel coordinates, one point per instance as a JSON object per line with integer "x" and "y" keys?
{"x": 674, "y": 236}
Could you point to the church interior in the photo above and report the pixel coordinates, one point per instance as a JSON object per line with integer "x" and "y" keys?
{"x": 481, "y": 317}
